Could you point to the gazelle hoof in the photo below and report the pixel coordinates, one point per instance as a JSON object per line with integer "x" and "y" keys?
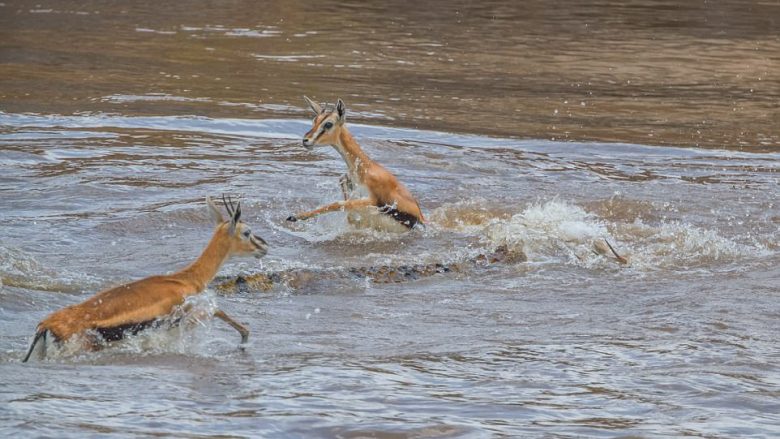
{"x": 292, "y": 218}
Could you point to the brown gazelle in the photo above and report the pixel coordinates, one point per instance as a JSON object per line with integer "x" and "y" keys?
{"x": 150, "y": 302}
{"x": 371, "y": 192}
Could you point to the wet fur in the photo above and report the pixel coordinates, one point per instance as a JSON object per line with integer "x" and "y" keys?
{"x": 126, "y": 305}
{"x": 384, "y": 192}
{"x": 133, "y": 307}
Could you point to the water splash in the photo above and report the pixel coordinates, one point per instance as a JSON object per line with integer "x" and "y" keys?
{"x": 545, "y": 230}
{"x": 553, "y": 229}
{"x": 680, "y": 246}
{"x": 187, "y": 331}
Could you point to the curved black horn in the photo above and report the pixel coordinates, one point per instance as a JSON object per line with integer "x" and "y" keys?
{"x": 237, "y": 212}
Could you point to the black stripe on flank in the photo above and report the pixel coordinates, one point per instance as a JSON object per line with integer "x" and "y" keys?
{"x": 407, "y": 219}
{"x": 115, "y": 333}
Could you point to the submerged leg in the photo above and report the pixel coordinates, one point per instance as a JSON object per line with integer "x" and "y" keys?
{"x": 346, "y": 186}
{"x": 345, "y": 183}
{"x": 604, "y": 248}
{"x": 91, "y": 342}
{"x": 238, "y": 326}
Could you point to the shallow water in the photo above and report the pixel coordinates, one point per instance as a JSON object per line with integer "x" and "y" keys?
{"x": 103, "y": 181}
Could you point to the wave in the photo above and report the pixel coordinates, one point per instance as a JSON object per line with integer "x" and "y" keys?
{"x": 19, "y": 269}
{"x": 557, "y": 229}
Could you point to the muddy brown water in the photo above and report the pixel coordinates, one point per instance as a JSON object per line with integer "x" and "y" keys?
{"x": 540, "y": 127}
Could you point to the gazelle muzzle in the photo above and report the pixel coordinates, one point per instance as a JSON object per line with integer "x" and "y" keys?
{"x": 260, "y": 244}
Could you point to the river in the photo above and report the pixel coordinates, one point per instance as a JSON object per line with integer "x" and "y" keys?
{"x": 540, "y": 128}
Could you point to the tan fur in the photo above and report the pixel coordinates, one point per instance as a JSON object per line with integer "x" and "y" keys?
{"x": 157, "y": 296}
{"x": 382, "y": 186}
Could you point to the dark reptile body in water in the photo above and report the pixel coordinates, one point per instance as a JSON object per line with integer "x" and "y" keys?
{"x": 381, "y": 274}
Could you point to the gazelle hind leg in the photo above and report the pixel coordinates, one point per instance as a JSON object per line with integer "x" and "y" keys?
{"x": 345, "y": 183}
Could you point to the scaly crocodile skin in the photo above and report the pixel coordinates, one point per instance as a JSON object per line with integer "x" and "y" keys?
{"x": 381, "y": 274}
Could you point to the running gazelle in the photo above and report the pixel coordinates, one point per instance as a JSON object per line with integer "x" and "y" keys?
{"x": 370, "y": 190}
{"x": 130, "y": 308}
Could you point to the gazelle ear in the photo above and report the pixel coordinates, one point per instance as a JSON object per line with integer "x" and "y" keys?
{"x": 315, "y": 107}
{"x": 341, "y": 110}
{"x": 216, "y": 215}
{"x": 236, "y": 218}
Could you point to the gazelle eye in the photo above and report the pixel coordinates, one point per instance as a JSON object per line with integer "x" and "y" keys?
{"x": 247, "y": 233}
{"x": 328, "y": 125}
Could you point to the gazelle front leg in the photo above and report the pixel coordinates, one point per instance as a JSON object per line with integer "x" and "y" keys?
{"x": 90, "y": 342}
{"x": 199, "y": 315}
{"x": 346, "y": 186}
{"x": 238, "y": 326}
{"x": 339, "y": 205}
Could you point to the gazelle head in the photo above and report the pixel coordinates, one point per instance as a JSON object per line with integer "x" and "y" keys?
{"x": 242, "y": 240}
{"x": 327, "y": 124}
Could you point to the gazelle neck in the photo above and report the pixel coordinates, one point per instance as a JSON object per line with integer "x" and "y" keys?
{"x": 351, "y": 152}
{"x": 200, "y": 272}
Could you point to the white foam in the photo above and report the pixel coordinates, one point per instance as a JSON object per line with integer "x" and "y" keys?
{"x": 553, "y": 229}
{"x": 683, "y": 246}
{"x": 548, "y": 228}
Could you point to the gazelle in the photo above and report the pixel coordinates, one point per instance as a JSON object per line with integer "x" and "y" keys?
{"x": 371, "y": 192}
{"x": 130, "y": 308}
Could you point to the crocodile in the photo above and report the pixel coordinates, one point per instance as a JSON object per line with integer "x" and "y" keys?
{"x": 379, "y": 274}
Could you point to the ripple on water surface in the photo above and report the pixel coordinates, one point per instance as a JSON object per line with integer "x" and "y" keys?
{"x": 679, "y": 341}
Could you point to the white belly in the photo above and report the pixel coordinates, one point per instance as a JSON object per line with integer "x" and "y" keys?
{"x": 371, "y": 218}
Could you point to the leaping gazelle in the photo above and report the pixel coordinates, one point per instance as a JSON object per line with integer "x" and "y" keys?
{"x": 130, "y": 308}
{"x": 371, "y": 192}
